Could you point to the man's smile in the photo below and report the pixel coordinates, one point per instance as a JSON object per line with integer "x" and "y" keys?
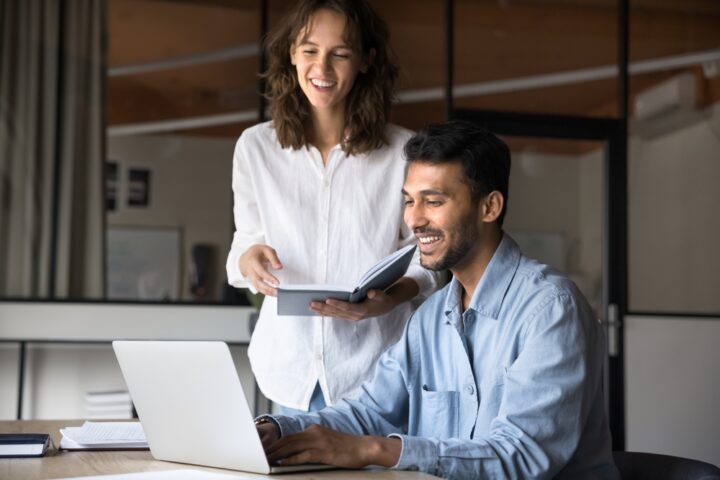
{"x": 428, "y": 242}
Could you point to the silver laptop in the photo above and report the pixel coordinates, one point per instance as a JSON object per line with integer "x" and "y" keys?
{"x": 192, "y": 407}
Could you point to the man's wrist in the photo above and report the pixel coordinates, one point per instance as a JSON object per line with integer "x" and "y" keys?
{"x": 382, "y": 451}
{"x": 265, "y": 419}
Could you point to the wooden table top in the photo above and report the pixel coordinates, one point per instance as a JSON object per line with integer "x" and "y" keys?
{"x": 63, "y": 464}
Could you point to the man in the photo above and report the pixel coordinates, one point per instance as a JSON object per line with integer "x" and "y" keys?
{"x": 498, "y": 375}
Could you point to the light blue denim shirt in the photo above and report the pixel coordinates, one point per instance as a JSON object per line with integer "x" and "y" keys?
{"x": 510, "y": 388}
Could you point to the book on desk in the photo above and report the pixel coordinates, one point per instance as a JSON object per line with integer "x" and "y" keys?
{"x": 23, "y": 444}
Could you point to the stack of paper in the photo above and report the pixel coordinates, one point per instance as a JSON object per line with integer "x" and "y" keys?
{"x": 104, "y": 436}
{"x": 115, "y": 405}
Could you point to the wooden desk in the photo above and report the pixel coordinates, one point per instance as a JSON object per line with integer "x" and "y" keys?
{"x": 57, "y": 464}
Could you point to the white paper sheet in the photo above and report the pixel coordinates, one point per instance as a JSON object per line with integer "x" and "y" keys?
{"x": 104, "y": 435}
{"x": 166, "y": 475}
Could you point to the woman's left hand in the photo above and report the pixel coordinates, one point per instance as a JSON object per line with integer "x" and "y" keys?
{"x": 376, "y": 303}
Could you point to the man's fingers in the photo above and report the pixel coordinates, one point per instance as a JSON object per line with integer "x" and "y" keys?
{"x": 307, "y": 456}
{"x": 268, "y": 434}
{"x": 318, "y": 445}
{"x": 287, "y": 447}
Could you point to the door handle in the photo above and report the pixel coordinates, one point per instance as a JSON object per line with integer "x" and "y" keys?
{"x": 614, "y": 325}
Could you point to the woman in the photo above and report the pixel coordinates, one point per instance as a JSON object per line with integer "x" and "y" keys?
{"x": 318, "y": 200}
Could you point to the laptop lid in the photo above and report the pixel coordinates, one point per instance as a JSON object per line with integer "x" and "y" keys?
{"x": 191, "y": 404}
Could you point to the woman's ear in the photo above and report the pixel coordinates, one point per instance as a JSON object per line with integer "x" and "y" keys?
{"x": 492, "y": 206}
{"x": 367, "y": 61}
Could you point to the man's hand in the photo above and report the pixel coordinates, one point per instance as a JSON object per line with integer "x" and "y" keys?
{"x": 376, "y": 303}
{"x": 269, "y": 434}
{"x": 254, "y": 267}
{"x": 322, "y": 445}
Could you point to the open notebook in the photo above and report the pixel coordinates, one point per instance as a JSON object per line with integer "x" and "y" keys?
{"x": 295, "y": 299}
{"x": 104, "y": 436}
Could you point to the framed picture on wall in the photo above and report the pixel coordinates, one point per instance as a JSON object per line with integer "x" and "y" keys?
{"x": 138, "y": 194}
{"x": 111, "y": 185}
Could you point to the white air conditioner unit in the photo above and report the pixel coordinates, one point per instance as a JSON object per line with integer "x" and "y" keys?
{"x": 667, "y": 106}
{"x": 678, "y": 93}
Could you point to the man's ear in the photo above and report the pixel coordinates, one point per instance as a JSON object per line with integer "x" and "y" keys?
{"x": 492, "y": 206}
{"x": 367, "y": 61}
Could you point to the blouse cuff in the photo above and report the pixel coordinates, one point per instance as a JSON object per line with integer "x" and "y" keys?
{"x": 235, "y": 278}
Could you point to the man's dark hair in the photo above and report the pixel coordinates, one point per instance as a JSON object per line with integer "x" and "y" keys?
{"x": 484, "y": 157}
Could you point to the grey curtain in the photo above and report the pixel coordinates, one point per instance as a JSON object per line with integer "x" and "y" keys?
{"x": 51, "y": 148}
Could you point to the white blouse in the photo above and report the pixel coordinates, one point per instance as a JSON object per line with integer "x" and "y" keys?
{"x": 328, "y": 224}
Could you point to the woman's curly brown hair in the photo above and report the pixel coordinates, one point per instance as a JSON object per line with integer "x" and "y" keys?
{"x": 368, "y": 103}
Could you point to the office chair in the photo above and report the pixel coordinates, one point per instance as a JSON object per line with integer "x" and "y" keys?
{"x": 652, "y": 466}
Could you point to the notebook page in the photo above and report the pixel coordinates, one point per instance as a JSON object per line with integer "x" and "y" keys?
{"x": 102, "y": 433}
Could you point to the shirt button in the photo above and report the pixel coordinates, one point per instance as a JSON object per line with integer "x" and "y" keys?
{"x": 470, "y": 390}
{"x": 318, "y": 356}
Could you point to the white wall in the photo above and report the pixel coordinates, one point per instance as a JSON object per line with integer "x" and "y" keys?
{"x": 672, "y": 363}
{"x": 8, "y": 380}
{"x": 562, "y": 193}
{"x": 674, "y": 226}
{"x": 673, "y": 387}
{"x": 190, "y": 189}
{"x": 590, "y": 225}
{"x": 544, "y": 192}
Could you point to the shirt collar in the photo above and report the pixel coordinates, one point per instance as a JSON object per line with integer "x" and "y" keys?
{"x": 490, "y": 292}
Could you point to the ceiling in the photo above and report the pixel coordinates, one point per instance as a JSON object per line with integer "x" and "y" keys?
{"x": 495, "y": 41}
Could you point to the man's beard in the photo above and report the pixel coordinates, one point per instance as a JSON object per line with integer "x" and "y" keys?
{"x": 464, "y": 237}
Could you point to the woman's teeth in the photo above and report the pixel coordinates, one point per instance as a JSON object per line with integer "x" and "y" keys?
{"x": 321, "y": 83}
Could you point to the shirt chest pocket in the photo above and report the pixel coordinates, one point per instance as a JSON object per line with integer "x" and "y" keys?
{"x": 440, "y": 414}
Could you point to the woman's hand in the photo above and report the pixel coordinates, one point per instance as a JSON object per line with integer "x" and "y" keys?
{"x": 376, "y": 303}
{"x": 254, "y": 268}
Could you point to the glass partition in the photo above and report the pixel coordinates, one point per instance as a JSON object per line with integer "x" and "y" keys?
{"x": 555, "y": 207}
{"x": 182, "y": 85}
{"x": 674, "y": 146}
